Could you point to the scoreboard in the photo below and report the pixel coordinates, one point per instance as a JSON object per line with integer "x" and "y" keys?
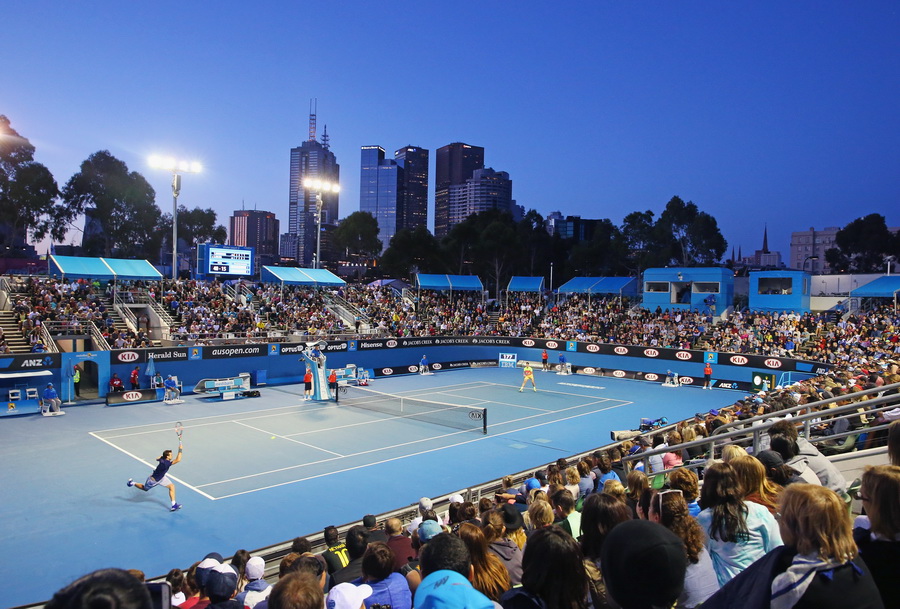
{"x": 228, "y": 260}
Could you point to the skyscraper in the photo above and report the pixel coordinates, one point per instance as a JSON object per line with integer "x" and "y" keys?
{"x": 379, "y": 191}
{"x": 486, "y": 189}
{"x": 256, "y": 229}
{"x": 413, "y": 208}
{"x": 454, "y": 165}
{"x": 312, "y": 159}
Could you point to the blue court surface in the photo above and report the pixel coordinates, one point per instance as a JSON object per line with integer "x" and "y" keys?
{"x": 260, "y": 471}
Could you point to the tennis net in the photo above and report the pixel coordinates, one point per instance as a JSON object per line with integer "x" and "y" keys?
{"x": 466, "y": 418}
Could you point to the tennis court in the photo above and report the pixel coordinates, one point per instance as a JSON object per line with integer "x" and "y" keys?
{"x": 262, "y": 470}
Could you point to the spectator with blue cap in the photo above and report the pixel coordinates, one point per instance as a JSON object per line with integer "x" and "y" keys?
{"x": 446, "y": 568}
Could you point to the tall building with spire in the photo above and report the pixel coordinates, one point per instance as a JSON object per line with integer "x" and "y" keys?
{"x": 312, "y": 159}
{"x": 454, "y": 164}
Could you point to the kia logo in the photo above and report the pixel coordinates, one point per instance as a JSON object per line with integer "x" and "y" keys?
{"x": 683, "y": 355}
{"x": 528, "y": 342}
{"x": 391, "y": 343}
{"x": 621, "y": 350}
{"x": 651, "y": 352}
{"x": 738, "y": 360}
{"x": 619, "y": 373}
{"x": 387, "y": 371}
{"x": 435, "y": 366}
{"x": 589, "y": 370}
{"x": 131, "y": 396}
{"x": 686, "y": 380}
{"x": 552, "y": 344}
{"x": 651, "y": 377}
{"x": 413, "y": 368}
{"x": 593, "y": 348}
{"x": 772, "y": 363}
{"x": 128, "y": 356}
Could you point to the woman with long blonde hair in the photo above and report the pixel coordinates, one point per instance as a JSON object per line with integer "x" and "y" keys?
{"x": 754, "y": 485}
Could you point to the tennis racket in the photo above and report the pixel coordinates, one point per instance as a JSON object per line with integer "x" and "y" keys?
{"x": 179, "y": 430}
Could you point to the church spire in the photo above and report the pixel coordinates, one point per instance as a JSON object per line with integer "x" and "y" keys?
{"x": 765, "y": 249}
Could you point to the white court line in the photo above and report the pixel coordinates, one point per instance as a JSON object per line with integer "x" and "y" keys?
{"x": 212, "y": 416}
{"x": 324, "y": 450}
{"x": 423, "y": 452}
{"x": 152, "y": 467}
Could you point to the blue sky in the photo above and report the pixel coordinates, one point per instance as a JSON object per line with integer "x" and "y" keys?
{"x": 771, "y": 112}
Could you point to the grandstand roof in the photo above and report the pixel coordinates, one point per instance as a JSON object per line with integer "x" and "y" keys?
{"x": 101, "y": 268}
{"x": 526, "y": 284}
{"x": 449, "y": 282}
{"x": 596, "y": 285}
{"x": 883, "y": 287}
{"x": 296, "y": 276}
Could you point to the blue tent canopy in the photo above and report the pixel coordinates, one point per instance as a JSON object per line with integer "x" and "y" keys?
{"x": 101, "y": 268}
{"x": 469, "y": 283}
{"x": 598, "y": 285}
{"x": 296, "y": 276}
{"x": 883, "y": 287}
{"x": 526, "y": 284}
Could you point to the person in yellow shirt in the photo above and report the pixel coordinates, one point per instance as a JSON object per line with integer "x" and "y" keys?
{"x": 527, "y": 375}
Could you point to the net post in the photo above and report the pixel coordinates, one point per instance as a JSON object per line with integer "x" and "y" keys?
{"x": 484, "y": 421}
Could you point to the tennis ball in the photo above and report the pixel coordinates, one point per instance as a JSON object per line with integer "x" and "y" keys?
{"x": 272, "y": 438}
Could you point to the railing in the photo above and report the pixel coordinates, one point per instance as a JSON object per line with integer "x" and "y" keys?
{"x": 97, "y": 338}
{"x": 48, "y": 341}
{"x": 127, "y": 314}
{"x": 5, "y": 289}
{"x": 144, "y": 299}
{"x": 751, "y": 430}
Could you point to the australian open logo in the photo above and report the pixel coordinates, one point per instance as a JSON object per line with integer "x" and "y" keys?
{"x": 527, "y": 343}
{"x": 650, "y": 376}
{"x": 413, "y": 368}
{"x": 435, "y": 366}
{"x": 683, "y": 355}
{"x": 391, "y": 343}
{"x": 589, "y": 370}
{"x": 739, "y": 360}
{"x": 476, "y": 415}
{"x": 552, "y": 344}
{"x": 619, "y": 373}
{"x": 387, "y": 371}
{"x": 131, "y": 396}
{"x": 593, "y": 348}
{"x": 686, "y": 380}
{"x": 621, "y": 350}
{"x": 772, "y": 363}
{"x": 128, "y": 356}
{"x": 651, "y": 352}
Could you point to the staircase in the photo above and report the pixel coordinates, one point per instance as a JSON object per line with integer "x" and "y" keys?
{"x": 14, "y": 338}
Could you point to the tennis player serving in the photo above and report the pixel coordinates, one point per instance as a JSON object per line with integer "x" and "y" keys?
{"x": 159, "y": 478}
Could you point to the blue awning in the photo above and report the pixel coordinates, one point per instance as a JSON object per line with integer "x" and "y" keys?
{"x": 526, "y": 284}
{"x": 466, "y": 283}
{"x": 101, "y": 268}
{"x": 883, "y": 287}
{"x": 597, "y": 285}
{"x": 296, "y": 276}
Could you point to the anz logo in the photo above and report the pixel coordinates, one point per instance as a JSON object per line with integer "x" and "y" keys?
{"x": 37, "y": 362}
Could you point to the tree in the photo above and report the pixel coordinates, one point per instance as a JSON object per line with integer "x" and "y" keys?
{"x": 863, "y": 246}
{"x": 640, "y": 243}
{"x": 121, "y": 203}
{"x": 602, "y": 254}
{"x": 690, "y": 237}
{"x": 195, "y": 226}
{"x": 357, "y": 235}
{"x": 29, "y": 196}
{"x": 411, "y": 252}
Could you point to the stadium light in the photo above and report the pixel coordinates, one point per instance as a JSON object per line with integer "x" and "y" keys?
{"x": 319, "y": 186}
{"x": 177, "y": 168}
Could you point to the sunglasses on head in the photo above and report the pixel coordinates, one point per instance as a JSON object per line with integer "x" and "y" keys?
{"x": 659, "y": 497}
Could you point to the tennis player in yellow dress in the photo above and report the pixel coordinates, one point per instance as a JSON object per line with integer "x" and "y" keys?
{"x": 527, "y": 375}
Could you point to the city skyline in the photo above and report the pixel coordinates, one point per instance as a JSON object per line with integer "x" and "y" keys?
{"x": 758, "y": 114}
